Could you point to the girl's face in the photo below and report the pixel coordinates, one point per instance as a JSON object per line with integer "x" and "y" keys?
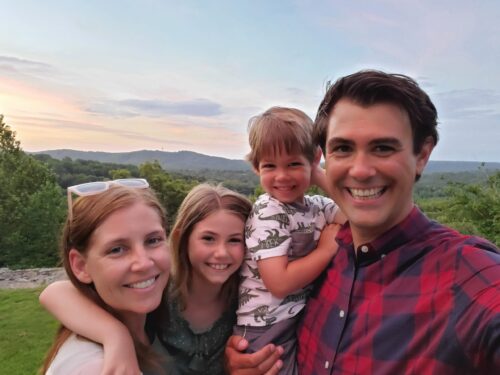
{"x": 216, "y": 247}
{"x": 127, "y": 260}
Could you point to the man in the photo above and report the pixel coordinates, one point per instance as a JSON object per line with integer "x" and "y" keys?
{"x": 403, "y": 294}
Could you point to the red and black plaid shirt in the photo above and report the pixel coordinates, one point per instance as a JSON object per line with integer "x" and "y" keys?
{"x": 421, "y": 299}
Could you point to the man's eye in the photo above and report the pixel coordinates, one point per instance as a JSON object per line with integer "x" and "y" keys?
{"x": 341, "y": 149}
{"x": 384, "y": 149}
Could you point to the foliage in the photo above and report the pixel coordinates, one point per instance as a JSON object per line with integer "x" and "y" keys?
{"x": 73, "y": 172}
{"x": 27, "y": 331}
{"x": 171, "y": 191}
{"x": 31, "y": 207}
{"x": 469, "y": 208}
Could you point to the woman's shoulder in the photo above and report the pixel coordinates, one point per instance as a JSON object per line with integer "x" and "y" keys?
{"x": 77, "y": 356}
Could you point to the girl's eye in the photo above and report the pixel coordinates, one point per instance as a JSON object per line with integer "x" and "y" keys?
{"x": 208, "y": 238}
{"x": 236, "y": 240}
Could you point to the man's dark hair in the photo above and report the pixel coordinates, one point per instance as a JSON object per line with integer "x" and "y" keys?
{"x": 369, "y": 87}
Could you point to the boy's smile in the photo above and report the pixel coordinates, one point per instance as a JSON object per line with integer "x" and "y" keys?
{"x": 285, "y": 177}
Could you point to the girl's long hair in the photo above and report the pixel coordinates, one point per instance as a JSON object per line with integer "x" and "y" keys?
{"x": 200, "y": 202}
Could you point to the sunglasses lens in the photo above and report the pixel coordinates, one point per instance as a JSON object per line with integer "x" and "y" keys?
{"x": 91, "y": 187}
{"x": 132, "y": 182}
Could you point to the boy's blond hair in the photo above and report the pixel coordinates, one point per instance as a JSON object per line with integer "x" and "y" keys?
{"x": 280, "y": 129}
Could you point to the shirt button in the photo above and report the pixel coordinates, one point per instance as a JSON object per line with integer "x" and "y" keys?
{"x": 382, "y": 256}
{"x": 364, "y": 249}
{"x": 327, "y": 364}
{"x": 342, "y": 313}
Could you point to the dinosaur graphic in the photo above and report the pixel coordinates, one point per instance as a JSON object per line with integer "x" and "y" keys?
{"x": 245, "y": 296}
{"x": 302, "y": 228}
{"x": 254, "y": 271}
{"x": 259, "y": 314}
{"x": 282, "y": 219}
{"x": 249, "y": 231}
{"x": 272, "y": 240}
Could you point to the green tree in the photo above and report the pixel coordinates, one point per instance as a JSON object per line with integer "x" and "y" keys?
{"x": 31, "y": 207}
{"x": 170, "y": 191}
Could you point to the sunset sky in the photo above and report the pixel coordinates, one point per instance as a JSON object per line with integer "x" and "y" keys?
{"x": 187, "y": 75}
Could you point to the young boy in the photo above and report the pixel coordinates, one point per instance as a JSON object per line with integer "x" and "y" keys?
{"x": 283, "y": 255}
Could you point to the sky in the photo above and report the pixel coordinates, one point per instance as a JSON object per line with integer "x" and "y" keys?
{"x": 116, "y": 76}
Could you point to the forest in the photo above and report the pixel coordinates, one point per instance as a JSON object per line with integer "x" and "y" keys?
{"x": 33, "y": 197}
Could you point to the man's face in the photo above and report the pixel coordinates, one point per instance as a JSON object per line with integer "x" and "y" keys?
{"x": 371, "y": 167}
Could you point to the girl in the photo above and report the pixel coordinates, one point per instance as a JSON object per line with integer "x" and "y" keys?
{"x": 114, "y": 251}
{"x": 197, "y": 313}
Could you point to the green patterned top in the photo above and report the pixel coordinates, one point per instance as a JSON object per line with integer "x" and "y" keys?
{"x": 191, "y": 353}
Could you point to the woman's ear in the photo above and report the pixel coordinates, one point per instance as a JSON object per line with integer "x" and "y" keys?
{"x": 78, "y": 265}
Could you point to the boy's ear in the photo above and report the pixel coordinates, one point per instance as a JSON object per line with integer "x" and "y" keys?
{"x": 317, "y": 156}
{"x": 255, "y": 170}
{"x": 78, "y": 265}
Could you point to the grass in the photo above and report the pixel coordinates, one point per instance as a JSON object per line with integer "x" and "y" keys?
{"x": 27, "y": 331}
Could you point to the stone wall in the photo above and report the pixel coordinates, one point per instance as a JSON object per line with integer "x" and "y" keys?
{"x": 29, "y": 278}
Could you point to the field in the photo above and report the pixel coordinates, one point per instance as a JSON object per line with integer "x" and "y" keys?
{"x": 26, "y": 331}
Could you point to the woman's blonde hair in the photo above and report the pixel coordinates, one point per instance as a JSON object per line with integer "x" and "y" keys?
{"x": 280, "y": 129}
{"x": 200, "y": 202}
{"x": 89, "y": 213}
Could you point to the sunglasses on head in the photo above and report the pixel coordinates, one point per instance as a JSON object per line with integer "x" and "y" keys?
{"x": 97, "y": 187}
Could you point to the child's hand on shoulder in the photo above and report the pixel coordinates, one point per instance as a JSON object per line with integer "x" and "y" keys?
{"x": 327, "y": 239}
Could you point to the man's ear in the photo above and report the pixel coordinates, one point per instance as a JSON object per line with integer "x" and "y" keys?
{"x": 78, "y": 265}
{"x": 424, "y": 154}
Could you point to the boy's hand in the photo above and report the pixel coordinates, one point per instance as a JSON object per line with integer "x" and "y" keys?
{"x": 318, "y": 176}
{"x": 263, "y": 362}
{"x": 327, "y": 239}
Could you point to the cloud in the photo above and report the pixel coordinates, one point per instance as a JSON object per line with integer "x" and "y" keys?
{"x": 16, "y": 65}
{"x": 470, "y": 103}
{"x": 157, "y": 108}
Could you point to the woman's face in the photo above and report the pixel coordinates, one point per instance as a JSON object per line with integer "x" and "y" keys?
{"x": 128, "y": 260}
{"x": 216, "y": 247}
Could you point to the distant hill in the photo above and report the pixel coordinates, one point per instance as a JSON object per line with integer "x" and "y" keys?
{"x": 193, "y": 161}
{"x": 170, "y": 161}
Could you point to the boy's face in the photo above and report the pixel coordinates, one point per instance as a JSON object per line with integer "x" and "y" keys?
{"x": 371, "y": 166}
{"x": 285, "y": 177}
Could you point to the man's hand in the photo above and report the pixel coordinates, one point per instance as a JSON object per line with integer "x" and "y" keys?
{"x": 263, "y": 362}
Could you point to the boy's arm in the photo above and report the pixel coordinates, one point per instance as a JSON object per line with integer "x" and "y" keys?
{"x": 282, "y": 277}
{"x": 318, "y": 178}
{"x": 82, "y": 316}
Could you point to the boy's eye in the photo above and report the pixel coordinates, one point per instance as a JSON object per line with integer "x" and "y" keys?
{"x": 267, "y": 166}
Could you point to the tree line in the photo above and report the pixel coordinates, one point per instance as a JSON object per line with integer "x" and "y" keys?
{"x": 33, "y": 198}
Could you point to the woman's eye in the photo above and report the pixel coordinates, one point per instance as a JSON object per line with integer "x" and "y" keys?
{"x": 116, "y": 250}
{"x": 155, "y": 240}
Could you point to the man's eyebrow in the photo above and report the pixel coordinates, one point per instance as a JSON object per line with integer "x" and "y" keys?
{"x": 336, "y": 140}
{"x": 386, "y": 140}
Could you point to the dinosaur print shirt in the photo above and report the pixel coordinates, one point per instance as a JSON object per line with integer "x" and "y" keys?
{"x": 276, "y": 229}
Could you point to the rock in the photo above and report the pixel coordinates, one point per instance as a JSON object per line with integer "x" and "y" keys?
{"x": 29, "y": 278}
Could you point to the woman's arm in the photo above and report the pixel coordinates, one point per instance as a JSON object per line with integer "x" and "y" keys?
{"x": 82, "y": 316}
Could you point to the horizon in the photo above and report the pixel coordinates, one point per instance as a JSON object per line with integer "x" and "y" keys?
{"x": 235, "y": 159}
{"x": 118, "y": 76}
